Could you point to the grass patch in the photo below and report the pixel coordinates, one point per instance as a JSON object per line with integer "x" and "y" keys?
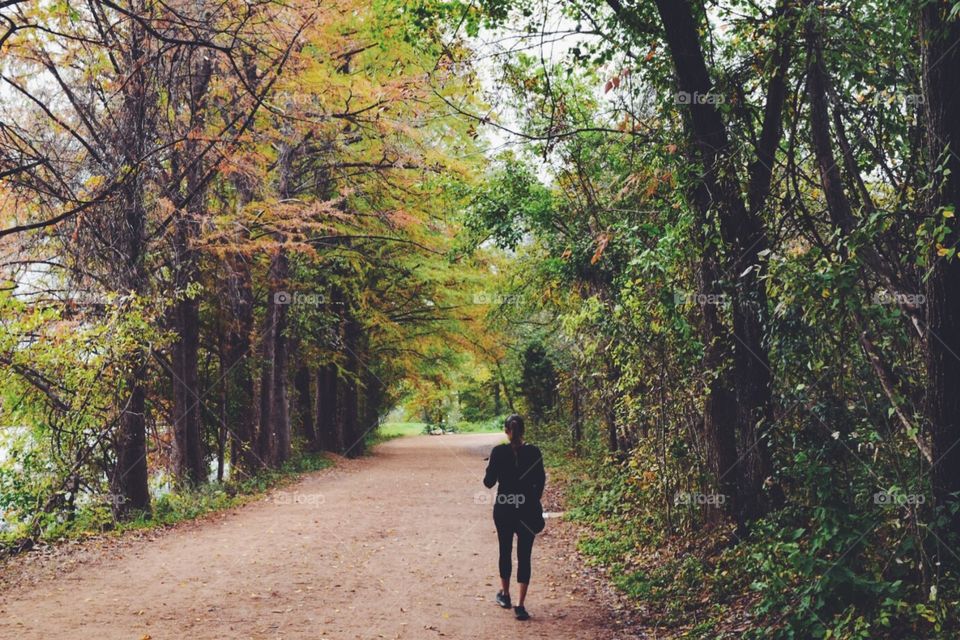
{"x": 173, "y": 507}
{"x": 391, "y": 430}
{"x": 491, "y": 425}
{"x": 187, "y": 505}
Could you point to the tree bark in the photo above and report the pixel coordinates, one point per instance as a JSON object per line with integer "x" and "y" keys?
{"x": 189, "y": 464}
{"x": 745, "y": 240}
{"x": 266, "y": 436}
{"x": 224, "y": 416}
{"x": 129, "y": 480}
{"x": 189, "y": 459}
{"x": 720, "y": 399}
{"x": 940, "y": 50}
{"x": 281, "y": 409}
{"x": 372, "y": 399}
{"x": 302, "y": 384}
{"x": 328, "y": 434}
{"x": 243, "y": 447}
{"x": 353, "y": 437}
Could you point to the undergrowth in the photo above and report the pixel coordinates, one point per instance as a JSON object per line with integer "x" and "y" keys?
{"x": 96, "y": 517}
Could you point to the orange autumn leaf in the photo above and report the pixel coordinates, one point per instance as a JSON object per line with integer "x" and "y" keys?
{"x": 602, "y": 242}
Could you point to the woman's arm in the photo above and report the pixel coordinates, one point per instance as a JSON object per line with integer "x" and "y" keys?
{"x": 490, "y": 477}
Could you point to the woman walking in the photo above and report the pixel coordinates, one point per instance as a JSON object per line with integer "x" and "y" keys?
{"x": 517, "y": 470}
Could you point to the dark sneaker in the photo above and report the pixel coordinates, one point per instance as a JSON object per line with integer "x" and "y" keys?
{"x": 503, "y": 600}
{"x": 521, "y": 613}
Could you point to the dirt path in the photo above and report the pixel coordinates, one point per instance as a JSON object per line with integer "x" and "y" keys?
{"x": 393, "y": 546}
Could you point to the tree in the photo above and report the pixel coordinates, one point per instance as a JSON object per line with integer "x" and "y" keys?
{"x": 940, "y": 38}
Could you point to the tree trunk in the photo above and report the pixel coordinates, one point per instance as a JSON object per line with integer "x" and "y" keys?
{"x": 745, "y": 240}
{"x": 224, "y": 390}
{"x": 186, "y": 397}
{"x": 302, "y": 385}
{"x": 281, "y": 409}
{"x": 353, "y": 437}
{"x": 189, "y": 465}
{"x": 129, "y": 480}
{"x": 503, "y": 384}
{"x": 720, "y": 400}
{"x": 243, "y": 448}
{"x": 273, "y": 441}
{"x": 941, "y": 81}
{"x": 266, "y": 438}
{"x": 328, "y": 434}
{"x": 372, "y": 399}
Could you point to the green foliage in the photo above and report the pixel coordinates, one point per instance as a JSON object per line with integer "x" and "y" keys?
{"x": 539, "y": 382}
{"x": 488, "y": 425}
{"x": 93, "y": 514}
{"x": 510, "y": 202}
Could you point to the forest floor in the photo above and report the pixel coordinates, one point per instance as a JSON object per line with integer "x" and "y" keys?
{"x": 399, "y": 544}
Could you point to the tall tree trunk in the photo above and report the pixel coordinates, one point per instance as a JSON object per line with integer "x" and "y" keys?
{"x": 349, "y": 398}
{"x": 266, "y": 437}
{"x": 839, "y": 206}
{"x": 302, "y": 385}
{"x": 224, "y": 416}
{"x": 129, "y": 479}
{"x": 745, "y": 240}
{"x": 720, "y": 399}
{"x": 503, "y": 385}
{"x": 243, "y": 446}
{"x": 372, "y": 399}
{"x": 328, "y": 434}
{"x": 190, "y": 466}
{"x": 186, "y": 397}
{"x": 941, "y": 81}
{"x": 281, "y": 409}
{"x": 608, "y": 397}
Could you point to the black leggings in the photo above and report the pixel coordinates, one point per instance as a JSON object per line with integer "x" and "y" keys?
{"x": 506, "y": 529}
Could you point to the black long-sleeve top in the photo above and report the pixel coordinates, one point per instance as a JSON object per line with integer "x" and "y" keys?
{"x": 516, "y": 472}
